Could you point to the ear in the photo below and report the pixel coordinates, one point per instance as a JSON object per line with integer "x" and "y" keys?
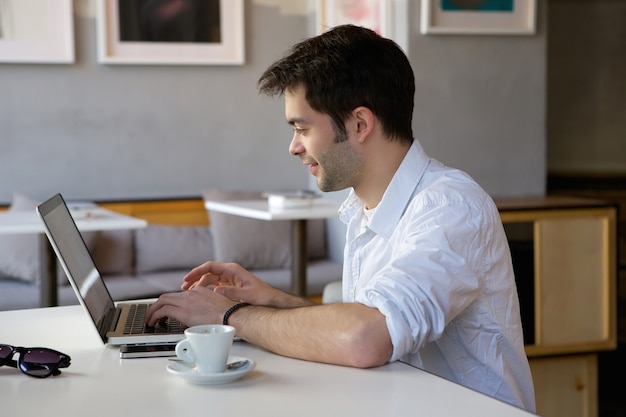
{"x": 363, "y": 122}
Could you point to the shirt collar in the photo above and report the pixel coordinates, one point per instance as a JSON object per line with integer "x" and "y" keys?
{"x": 396, "y": 197}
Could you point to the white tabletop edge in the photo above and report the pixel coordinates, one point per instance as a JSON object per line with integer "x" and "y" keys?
{"x": 22, "y": 222}
{"x": 260, "y": 209}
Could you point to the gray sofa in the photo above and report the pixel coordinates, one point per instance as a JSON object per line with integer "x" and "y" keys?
{"x": 147, "y": 262}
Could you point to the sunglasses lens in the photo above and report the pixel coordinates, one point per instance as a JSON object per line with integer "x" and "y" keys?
{"x": 39, "y": 362}
{"x": 5, "y": 352}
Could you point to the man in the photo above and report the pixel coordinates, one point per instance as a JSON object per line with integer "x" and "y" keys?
{"x": 427, "y": 275}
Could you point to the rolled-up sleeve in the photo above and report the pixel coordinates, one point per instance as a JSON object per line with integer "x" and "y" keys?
{"x": 431, "y": 274}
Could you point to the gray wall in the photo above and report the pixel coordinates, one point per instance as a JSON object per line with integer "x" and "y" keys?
{"x": 586, "y": 131}
{"x": 114, "y": 132}
{"x": 480, "y": 105}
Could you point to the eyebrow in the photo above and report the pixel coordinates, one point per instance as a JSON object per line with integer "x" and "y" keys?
{"x": 295, "y": 120}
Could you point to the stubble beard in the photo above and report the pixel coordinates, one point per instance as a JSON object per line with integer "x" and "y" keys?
{"x": 340, "y": 167}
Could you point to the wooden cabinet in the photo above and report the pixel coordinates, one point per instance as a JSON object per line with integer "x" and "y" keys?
{"x": 566, "y": 386}
{"x": 564, "y": 255}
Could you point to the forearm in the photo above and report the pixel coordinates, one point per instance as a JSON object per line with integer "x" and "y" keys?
{"x": 342, "y": 334}
{"x": 285, "y": 300}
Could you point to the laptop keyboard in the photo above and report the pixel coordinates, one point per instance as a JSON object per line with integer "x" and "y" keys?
{"x": 136, "y": 322}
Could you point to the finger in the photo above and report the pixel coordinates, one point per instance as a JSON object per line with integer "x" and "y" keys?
{"x": 204, "y": 281}
{"x": 161, "y": 314}
{"x": 214, "y": 273}
{"x": 234, "y": 293}
{"x": 208, "y": 271}
{"x": 194, "y": 275}
{"x": 156, "y": 311}
{"x": 152, "y": 309}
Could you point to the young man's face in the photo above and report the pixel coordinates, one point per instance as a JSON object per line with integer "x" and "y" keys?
{"x": 335, "y": 164}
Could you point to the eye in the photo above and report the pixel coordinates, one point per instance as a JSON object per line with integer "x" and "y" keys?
{"x": 298, "y": 130}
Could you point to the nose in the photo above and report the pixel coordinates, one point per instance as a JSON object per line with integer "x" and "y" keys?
{"x": 295, "y": 147}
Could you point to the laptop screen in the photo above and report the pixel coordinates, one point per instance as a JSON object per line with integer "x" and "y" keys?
{"x": 76, "y": 260}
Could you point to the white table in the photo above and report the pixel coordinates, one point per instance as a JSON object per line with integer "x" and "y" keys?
{"x": 260, "y": 209}
{"x": 98, "y": 383}
{"x": 87, "y": 219}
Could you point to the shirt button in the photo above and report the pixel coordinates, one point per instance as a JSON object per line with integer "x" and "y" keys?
{"x": 352, "y": 294}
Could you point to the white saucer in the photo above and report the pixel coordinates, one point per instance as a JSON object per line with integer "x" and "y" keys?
{"x": 189, "y": 373}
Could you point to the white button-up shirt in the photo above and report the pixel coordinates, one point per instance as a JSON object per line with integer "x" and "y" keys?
{"x": 434, "y": 259}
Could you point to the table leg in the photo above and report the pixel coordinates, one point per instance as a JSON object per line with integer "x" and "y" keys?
{"x": 299, "y": 257}
{"x": 47, "y": 273}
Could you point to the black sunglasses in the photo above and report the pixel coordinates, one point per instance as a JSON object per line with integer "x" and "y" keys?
{"x": 34, "y": 361}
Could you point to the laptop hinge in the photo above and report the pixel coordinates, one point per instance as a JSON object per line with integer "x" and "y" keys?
{"x": 109, "y": 321}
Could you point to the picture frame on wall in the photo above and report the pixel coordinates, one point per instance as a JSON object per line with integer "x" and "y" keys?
{"x": 373, "y": 14}
{"x": 478, "y": 17}
{"x": 36, "y": 31}
{"x": 170, "y": 32}
{"x": 388, "y": 18}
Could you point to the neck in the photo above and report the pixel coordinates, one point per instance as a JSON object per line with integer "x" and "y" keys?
{"x": 383, "y": 158}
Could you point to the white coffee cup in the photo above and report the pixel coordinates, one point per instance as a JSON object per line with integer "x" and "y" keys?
{"x": 208, "y": 346}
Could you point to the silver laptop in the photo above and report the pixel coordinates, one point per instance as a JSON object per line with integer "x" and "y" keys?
{"x": 117, "y": 325}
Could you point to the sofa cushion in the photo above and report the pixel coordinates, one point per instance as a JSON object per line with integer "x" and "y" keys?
{"x": 258, "y": 244}
{"x": 161, "y": 248}
{"x": 112, "y": 252}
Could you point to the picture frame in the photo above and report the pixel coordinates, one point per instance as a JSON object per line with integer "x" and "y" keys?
{"x": 509, "y": 17}
{"x": 388, "y": 18}
{"x": 37, "y": 32}
{"x": 134, "y": 32}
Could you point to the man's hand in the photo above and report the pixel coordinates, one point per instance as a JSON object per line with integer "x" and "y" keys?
{"x": 235, "y": 282}
{"x": 199, "y": 305}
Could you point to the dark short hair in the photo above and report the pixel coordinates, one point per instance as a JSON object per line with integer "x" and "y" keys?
{"x": 346, "y": 67}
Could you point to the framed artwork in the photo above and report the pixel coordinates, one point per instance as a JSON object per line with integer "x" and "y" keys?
{"x": 170, "y": 32}
{"x": 478, "y": 17}
{"x": 37, "y": 31}
{"x": 388, "y": 18}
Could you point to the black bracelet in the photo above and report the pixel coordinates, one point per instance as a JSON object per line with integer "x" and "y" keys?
{"x": 231, "y": 311}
